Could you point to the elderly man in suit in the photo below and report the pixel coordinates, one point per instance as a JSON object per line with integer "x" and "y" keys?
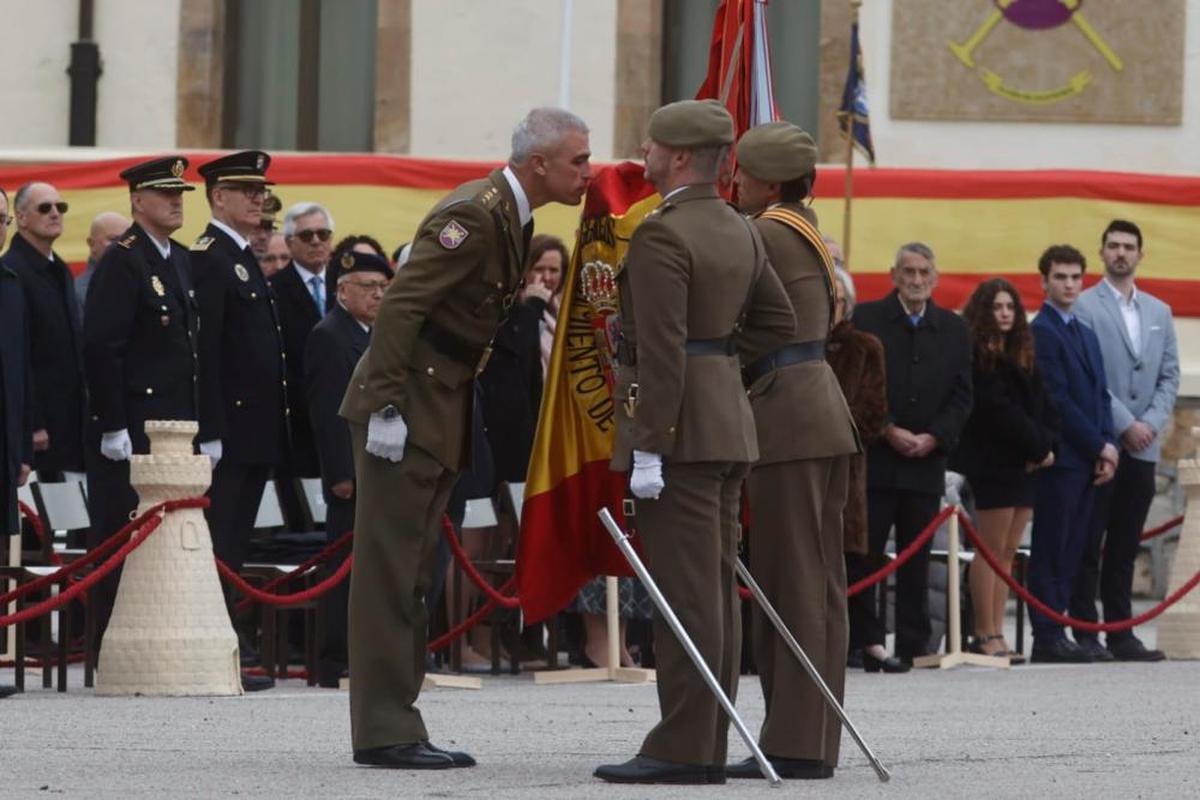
{"x": 1069, "y": 359}
{"x": 55, "y": 335}
{"x": 333, "y": 347}
{"x": 1141, "y": 367}
{"x": 16, "y": 442}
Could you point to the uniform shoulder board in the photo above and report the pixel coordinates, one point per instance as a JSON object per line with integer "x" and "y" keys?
{"x": 489, "y": 198}
{"x": 128, "y": 241}
{"x": 202, "y": 244}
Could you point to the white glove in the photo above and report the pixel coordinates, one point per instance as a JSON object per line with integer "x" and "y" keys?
{"x": 646, "y": 480}
{"x": 116, "y": 445}
{"x": 386, "y": 437}
{"x": 212, "y": 449}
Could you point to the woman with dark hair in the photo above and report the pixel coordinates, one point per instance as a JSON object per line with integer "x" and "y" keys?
{"x": 1012, "y": 432}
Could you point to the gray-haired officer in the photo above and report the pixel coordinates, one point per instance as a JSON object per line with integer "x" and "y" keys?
{"x": 243, "y": 408}
{"x": 139, "y": 347}
{"x": 798, "y": 486}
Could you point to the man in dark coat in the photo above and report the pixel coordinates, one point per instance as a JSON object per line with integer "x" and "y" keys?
{"x": 333, "y": 349}
{"x": 16, "y": 442}
{"x": 139, "y": 347}
{"x": 243, "y": 385}
{"x": 928, "y": 359}
{"x": 55, "y": 339}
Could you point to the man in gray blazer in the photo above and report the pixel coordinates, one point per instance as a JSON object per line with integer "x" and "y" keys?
{"x": 1141, "y": 367}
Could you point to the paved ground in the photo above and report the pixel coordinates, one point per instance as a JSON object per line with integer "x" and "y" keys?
{"x": 1114, "y": 730}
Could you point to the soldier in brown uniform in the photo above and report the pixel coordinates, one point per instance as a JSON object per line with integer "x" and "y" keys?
{"x": 695, "y": 271}
{"x": 409, "y": 409}
{"x": 806, "y": 437}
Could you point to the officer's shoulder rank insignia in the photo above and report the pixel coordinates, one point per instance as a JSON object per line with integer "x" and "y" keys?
{"x": 452, "y": 235}
{"x": 157, "y": 285}
{"x": 202, "y": 244}
{"x": 128, "y": 241}
{"x": 242, "y": 273}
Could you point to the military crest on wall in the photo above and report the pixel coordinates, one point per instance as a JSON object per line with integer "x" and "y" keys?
{"x": 1038, "y": 60}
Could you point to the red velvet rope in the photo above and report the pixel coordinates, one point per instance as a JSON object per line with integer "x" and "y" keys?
{"x": 1062, "y": 619}
{"x": 464, "y": 561}
{"x": 320, "y": 558}
{"x": 905, "y": 554}
{"x": 39, "y": 529}
{"x": 311, "y": 593}
{"x": 1161, "y": 529}
{"x": 470, "y": 622}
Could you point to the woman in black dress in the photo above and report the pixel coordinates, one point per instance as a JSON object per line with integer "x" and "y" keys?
{"x": 1012, "y": 432}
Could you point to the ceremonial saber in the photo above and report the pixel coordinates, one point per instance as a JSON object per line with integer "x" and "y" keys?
{"x": 802, "y": 657}
{"x": 664, "y": 608}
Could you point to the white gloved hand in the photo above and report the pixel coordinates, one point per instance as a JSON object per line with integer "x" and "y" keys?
{"x": 116, "y": 445}
{"x": 646, "y": 479}
{"x": 212, "y": 449}
{"x": 386, "y": 437}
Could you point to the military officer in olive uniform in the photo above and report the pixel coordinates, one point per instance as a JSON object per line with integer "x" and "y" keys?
{"x": 139, "y": 347}
{"x": 409, "y": 408}
{"x": 696, "y": 270}
{"x": 798, "y": 488}
{"x": 243, "y": 400}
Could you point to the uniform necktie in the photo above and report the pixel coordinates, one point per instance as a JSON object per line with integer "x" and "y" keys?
{"x": 315, "y": 284}
{"x": 527, "y": 234}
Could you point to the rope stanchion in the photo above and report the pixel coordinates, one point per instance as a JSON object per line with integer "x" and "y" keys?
{"x": 1161, "y": 529}
{"x": 464, "y": 561}
{"x": 326, "y": 553}
{"x": 1062, "y": 619}
{"x": 311, "y": 593}
{"x": 470, "y": 622}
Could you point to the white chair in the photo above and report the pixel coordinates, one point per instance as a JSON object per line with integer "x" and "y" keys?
{"x": 270, "y": 515}
{"x": 480, "y": 513}
{"x": 516, "y": 498}
{"x": 314, "y": 497}
{"x": 63, "y": 509}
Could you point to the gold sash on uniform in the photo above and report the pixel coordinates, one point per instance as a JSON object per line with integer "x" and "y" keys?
{"x": 810, "y": 234}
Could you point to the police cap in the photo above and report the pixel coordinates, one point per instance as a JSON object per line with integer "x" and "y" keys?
{"x": 245, "y": 166}
{"x": 165, "y": 174}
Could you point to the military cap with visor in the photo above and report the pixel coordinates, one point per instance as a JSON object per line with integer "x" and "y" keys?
{"x": 692, "y": 123}
{"x": 245, "y": 166}
{"x": 777, "y": 152}
{"x": 165, "y": 174}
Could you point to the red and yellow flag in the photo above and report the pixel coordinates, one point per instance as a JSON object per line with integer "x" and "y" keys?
{"x": 562, "y": 543}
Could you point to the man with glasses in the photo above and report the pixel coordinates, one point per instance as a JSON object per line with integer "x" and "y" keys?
{"x": 333, "y": 348}
{"x": 139, "y": 347}
{"x": 243, "y": 387}
{"x": 303, "y": 299}
{"x": 55, "y": 338}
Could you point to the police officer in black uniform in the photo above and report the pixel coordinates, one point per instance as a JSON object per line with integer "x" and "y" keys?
{"x": 243, "y": 390}
{"x": 139, "y": 346}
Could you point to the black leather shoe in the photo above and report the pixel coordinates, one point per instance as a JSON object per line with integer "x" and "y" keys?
{"x": 1058, "y": 651}
{"x": 1093, "y": 648}
{"x": 889, "y": 664}
{"x": 1131, "y": 649}
{"x": 854, "y": 659}
{"x": 417, "y": 755}
{"x": 459, "y": 758}
{"x": 257, "y": 683}
{"x": 8, "y": 691}
{"x": 642, "y": 769}
{"x": 792, "y": 768}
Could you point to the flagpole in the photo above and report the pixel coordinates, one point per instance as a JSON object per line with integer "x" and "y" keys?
{"x": 848, "y": 202}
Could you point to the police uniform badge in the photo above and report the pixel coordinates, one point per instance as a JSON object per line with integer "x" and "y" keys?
{"x": 242, "y": 273}
{"x": 258, "y": 163}
{"x": 177, "y": 168}
{"x": 347, "y": 261}
{"x": 452, "y": 235}
{"x": 157, "y": 284}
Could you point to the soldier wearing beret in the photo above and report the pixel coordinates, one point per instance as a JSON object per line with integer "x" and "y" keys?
{"x": 331, "y": 351}
{"x": 243, "y": 400}
{"x": 798, "y": 488}
{"x": 409, "y": 407}
{"x": 139, "y": 346}
{"x": 695, "y": 272}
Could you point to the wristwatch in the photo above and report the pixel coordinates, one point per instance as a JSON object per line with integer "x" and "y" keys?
{"x": 389, "y": 413}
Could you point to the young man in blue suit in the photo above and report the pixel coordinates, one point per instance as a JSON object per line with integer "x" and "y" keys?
{"x": 1069, "y": 359}
{"x": 1141, "y": 368}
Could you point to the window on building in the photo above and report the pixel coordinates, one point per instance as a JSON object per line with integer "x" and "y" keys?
{"x": 795, "y": 30}
{"x": 300, "y": 74}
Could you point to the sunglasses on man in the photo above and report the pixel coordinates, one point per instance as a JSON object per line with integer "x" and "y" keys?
{"x": 314, "y": 233}
{"x": 267, "y": 225}
{"x": 44, "y": 208}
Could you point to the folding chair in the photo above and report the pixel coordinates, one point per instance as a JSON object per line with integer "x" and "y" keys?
{"x": 313, "y": 495}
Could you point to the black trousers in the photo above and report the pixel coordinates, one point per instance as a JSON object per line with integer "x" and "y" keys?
{"x": 111, "y": 500}
{"x": 235, "y": 493}
{"x": 1116, "y": 522}
{"x": 334, "y": 607}
{"x": 909, "y": 512}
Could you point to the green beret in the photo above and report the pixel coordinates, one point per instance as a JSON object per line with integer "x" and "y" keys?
{"x": 776, "y": 152}
{"x": 692, "y": 123}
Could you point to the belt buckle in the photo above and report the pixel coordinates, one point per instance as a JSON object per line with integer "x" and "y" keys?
{"x": 631, "y": 400}
{"x": 483, "y": 360}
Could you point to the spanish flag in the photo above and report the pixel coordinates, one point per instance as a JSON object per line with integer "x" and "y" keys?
{"x": 562, "y": 544}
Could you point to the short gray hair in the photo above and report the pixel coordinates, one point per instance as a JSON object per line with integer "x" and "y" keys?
{"x": 303, "y": 210}
{"x": 21, "y": 198}
{"x": 541, "y": 130}
{"x": 848, "y": 294}
{"x": 920, "y": 248}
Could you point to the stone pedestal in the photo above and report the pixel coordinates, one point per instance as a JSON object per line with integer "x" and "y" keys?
{"x": 170, "y": 634}
{"x": 1179, "y": 626}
